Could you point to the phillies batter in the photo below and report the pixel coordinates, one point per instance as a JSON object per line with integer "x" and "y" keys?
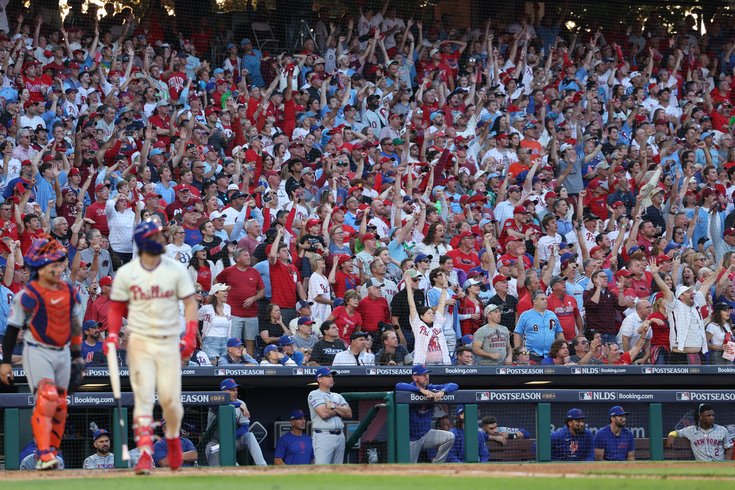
{"x": 147, "y": 291}
{"x": 48, "y": 311}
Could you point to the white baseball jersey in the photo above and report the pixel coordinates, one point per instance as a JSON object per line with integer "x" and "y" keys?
{"x": 153, "y": 296}
{"x": 97, "y": 462}
{"x": 707, "y": 445}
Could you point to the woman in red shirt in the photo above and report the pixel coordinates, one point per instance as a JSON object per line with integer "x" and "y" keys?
{"x": 346, "y": 316}
{"x": 201, "y": 269}
{"x": 342, "y": 278}
{"x": 660, "y": 331}
{"x": 470, "y": 307}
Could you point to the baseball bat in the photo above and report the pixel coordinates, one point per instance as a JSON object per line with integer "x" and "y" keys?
{"x": 115, "y": 381}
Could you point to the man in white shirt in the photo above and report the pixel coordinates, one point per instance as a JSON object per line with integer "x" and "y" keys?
{"x": 628, "y": 334}
{"x": 356, "y": 354}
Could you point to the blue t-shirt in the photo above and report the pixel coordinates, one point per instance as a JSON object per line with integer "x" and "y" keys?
{"x": 160, "y": 450}
{"x": 6, "y": 300}
{"x": 539, "y": 330}
{"x": 294, "y": 449}
{"x": 193, "y": 236}
{"x": 566, "y": 446}
{"x": 88, "y": 351}
{"x": 616, "y": 447}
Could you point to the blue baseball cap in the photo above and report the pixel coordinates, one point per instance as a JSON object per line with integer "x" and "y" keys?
{"x": 305, "y": 320}
{"x": 419, "y": 370}
{"x": 296, "y": 414}
{"x": 90, "y": 324}
{"x": 99, "y": 433}
{"x": 575, "y": 414}
{"x": 285, "y": 340}
{"x": 234, "y": 342}
{"x": 228, "y": 384}
{"x": 269, "y": 349}
{"x": 616, "y": 410}
{"x": 467, "y": 339}
{"x": 324, "y": 371}
{"x": 218, "y": 71}
{"x": 420, "y": 257}
{"x": 155, "y": 151}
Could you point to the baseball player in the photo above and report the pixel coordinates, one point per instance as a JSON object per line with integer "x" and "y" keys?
{"x": 48, "y": 311}
{"x": 243, "y": 437}
{"x": 709, "y": 441}
{"x": 573, "y": 442}
{"x": 327, "y": 411}
{"x": 615, "y": 442}
{"x": 147, "y": 291}
{"x": 103, "y": 458}
{"x": 420, "y": 416}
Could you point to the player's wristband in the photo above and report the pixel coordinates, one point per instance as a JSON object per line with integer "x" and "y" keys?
{"x": 11, "y": 336}
{"x": 191, "y": 328}
{"x": 76, "y": 354}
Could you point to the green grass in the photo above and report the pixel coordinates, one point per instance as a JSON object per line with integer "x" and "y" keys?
{"x": 356, "y": 482}
{"x": 690, "y": 468}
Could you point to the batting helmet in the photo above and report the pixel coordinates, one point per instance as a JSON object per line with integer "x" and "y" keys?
{"x": 144, "y": 237}
{"x": 43, "y": 252}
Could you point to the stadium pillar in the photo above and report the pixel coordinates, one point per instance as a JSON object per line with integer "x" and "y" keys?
{"x": 390, "y": 405}
{"x": 226, "y": 435}
{"x": 403, "y": 448}
{"x": 471, "y": 452}
{"x": 655, "y": 428}
{"x": 543, "y": 432}
{"x": 12, "y": 439}
{"x": 119, "y": 438}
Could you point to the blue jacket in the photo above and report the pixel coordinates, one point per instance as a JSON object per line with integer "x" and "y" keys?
{"x": 420, "y": 416}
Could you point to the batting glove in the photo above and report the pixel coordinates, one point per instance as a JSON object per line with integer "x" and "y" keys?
{"x": 113, "y": 341}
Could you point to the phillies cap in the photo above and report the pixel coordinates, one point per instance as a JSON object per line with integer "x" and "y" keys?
{"x": 419, "y": 370}
{"x": 575, "y": 414}
{"x": 106, "y": 281}
{"x": 228, "y": 384}
{"x": 324, "y": 371}
{"x": 616, "y": 411}
{"x": 499, "y": 278}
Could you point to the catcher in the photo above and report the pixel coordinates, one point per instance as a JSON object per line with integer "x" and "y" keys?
{"x": 49, "y": 312}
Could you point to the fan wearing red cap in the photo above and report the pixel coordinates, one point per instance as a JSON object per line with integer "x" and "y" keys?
{"x": 595, "y": 199}
{"x": 517, "y": 226}
{"x": 465, "y": 257}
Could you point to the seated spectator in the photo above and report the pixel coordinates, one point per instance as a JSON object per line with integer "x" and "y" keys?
{"x": 355, "y": 354}
{"x": 274, "y": 357}
{"x": 393, "y": 353}
{"x": 558, "y": 354}
{"x": 464, "y": 356}
{"x": 236, "y": 354}
{"x": 328, "y": 346}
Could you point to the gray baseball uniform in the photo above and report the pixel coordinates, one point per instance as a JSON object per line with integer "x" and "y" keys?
{"x": 327, "y": 434}
{"x": 29, "y": 462}
{"x": 707, "y": 445}
{"x": 97, "y": 462}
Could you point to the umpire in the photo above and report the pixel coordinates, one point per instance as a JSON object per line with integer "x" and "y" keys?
{"x": 327, "y": 411}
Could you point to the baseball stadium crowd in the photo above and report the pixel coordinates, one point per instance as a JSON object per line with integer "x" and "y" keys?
{"x": 393, "y": 192}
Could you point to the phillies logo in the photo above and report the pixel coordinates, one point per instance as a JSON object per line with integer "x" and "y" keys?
{"x": 154, "y": 293}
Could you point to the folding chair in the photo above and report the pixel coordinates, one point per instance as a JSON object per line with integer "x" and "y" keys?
{"x": 264, "y": 35}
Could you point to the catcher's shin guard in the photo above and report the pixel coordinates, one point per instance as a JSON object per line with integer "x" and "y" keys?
{"x": 47, "y": 400}
{"x": 59, "y": 421}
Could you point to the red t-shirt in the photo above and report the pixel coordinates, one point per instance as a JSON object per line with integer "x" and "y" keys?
{"x": 642, "y": 286}
{"x": 27, "y": 238}
{"x": 566, "y": 309}
{"x": 284, "y": 278}
{"x": 346, "y": 323}
{"x": 659, "y": 333}
{"x": 245, "y": 284}
{"x": 625, "y": 360}
{"x": 464, "y": 261}
{"x": 468, "y": 307}
{"x": 96, "y": 212}
{"x": 176, "y": 81}
{"x": 373, "y": 311}
{"x": 344, "y": 282}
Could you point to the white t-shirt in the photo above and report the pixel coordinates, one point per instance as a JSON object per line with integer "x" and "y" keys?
{"x": 319, "y": 286}
{"x": 184, "y": 252}
{"x": 152, "y": 296}
{"x": 215, "y": 325}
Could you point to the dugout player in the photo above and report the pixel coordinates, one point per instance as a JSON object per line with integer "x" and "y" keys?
{"x": 48, "y": 312}
{"x": 294, "y": 447}
{"x": 573, "y": 442}
{"x": 615, "y": 442}
{"x": 327, "y": 411}
{"x": 420, "y": 416}
{"x": 709, "y": 441}
{"x": 102, "y": 458}
{"x": 147, "y": 291}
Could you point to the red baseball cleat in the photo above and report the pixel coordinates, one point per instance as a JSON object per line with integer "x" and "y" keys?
{"x": 145, "y": 463}
{"x": 175, "y": 456}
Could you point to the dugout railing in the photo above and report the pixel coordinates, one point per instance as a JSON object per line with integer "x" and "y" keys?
{"x": 100, "y": 408}
{"x": 652, "y": 415}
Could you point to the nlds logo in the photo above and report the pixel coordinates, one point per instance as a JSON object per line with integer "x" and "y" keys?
{"x": 596, "y": 395}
